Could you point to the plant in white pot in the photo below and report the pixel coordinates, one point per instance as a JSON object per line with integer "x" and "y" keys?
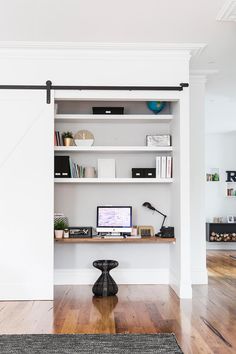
{"x": 59, "y": 227}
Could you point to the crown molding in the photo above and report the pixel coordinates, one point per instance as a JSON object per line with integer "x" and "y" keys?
{"x": 227, "y": 12}
{"x": 190, "y": 48}
{"x": 201, "y": 76}
{"x": 197, "y": 79}
{"x": 205, "y": 72}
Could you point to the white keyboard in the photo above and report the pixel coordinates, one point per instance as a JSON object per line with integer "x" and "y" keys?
{"x": 112, "y": 236}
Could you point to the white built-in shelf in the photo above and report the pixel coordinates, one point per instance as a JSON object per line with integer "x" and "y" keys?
{"x": 113, "y": 180}
{"x": 105, "y": 118}
{"x": 112, "y": 148}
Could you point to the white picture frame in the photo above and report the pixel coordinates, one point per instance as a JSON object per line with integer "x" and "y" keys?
{"x": 158, "y": 140}
{"x": 231, "y": 219}
{"x": 106, "y": 168}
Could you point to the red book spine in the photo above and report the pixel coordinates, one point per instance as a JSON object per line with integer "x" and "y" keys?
{"x": 55, "y": 139}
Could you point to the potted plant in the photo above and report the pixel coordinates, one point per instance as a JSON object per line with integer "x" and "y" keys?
{"x": 67, "y": 138}
{"x": 59, "y": 227}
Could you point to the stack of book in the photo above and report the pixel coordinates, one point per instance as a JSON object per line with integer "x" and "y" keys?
{"x": 76, "y": 170}
{"x": 65, "y": 167}
{"x": 163, "y": 167}
{"x": 58, "y": 139}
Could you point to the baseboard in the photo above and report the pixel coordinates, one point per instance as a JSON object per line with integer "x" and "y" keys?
{"x": 26, "y": 291}
{"x": 182, "y": 290}
{"x": 121, "y": 276}
{"x": 223, "y": 246}
{"x": 199, "y": 277}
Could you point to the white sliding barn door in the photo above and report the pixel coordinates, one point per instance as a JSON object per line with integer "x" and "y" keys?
{"x": 26, "y": 195}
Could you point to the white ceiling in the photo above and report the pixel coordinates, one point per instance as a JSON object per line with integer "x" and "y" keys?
{"x": 138, "y": 21}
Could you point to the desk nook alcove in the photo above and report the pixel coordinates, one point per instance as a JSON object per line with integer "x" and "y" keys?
{"x": 128, "y": 143}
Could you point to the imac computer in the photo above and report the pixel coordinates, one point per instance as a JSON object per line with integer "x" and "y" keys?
{"x": 114, "y": 219}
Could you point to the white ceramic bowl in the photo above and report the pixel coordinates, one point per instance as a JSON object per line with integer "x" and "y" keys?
{"x": 84, "y": 142}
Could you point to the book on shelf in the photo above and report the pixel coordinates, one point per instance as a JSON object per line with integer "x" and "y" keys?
{"x": 168, "y": 167}
{"x": 65, "y": 167}
{"x": 158, "y": 167}
{"x": 57, "y": 139}
{"x": 163, "y": 167}
{"x": 76, "y": 170}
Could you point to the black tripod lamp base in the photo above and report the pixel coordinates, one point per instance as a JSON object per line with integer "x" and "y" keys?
{"x": 166, "y": 232}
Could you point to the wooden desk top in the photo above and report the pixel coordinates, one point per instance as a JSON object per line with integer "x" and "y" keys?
{"x": 116, "y": 240}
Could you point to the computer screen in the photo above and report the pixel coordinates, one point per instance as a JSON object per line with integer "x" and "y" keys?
{"x": 116, "y": 217}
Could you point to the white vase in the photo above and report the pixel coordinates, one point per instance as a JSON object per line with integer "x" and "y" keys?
{"x": 89, "y": 172}
{"x": 59, "y": 233}
{"x": 66, "y": 233}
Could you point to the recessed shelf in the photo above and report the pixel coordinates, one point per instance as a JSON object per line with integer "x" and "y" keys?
{"x": 104, "y": 118}
{"x": 113, "y": 180}
{"x": 116, "y": 240}
{"x": 112, "y": 148}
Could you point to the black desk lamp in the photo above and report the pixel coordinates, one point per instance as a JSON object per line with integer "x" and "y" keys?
{"x": 167, "y": 232}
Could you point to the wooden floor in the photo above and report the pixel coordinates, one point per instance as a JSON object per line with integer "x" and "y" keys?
{"x": 197, "y": 323}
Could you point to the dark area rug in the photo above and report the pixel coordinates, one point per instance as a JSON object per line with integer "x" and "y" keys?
{"x": 89, "y": 344}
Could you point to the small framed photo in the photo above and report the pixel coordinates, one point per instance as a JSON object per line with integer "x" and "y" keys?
{"x": 213, "y": 175}
{"x": 218, "y": 220}
{"x": 146, "y": 231}
{"x": 231, "y": 219}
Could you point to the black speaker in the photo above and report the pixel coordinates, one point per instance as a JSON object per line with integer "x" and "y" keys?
{"x": 167, "y": 232}
{"x": 108, "y": 110}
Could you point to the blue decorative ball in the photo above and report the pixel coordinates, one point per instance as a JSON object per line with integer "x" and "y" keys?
{"x": 156, "y": 106}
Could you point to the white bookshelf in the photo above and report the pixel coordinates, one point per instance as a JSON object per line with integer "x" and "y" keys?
{"x": 123, "y": 138}
{"x": 112, "y": 149}
{"x": 120, "y": 118}
{"x": 112, "y": 180}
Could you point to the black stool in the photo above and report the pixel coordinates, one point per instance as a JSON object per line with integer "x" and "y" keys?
{"x": 105, "y": 285}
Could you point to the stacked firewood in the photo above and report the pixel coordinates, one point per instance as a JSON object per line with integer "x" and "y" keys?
{"x": 222, "y": 237}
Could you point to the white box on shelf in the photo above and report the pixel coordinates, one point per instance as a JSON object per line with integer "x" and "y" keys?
{"x": 158, "y": 140}
{"x": 106, "y": 168}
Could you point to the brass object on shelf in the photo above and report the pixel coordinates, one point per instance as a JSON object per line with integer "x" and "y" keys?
{"x": 68, "y": 141}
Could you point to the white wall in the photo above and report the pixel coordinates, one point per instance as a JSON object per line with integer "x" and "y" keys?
{"x": 79, "y": 202}
{"x": 220, "y": 153}
{"x": 197, "y": 179}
